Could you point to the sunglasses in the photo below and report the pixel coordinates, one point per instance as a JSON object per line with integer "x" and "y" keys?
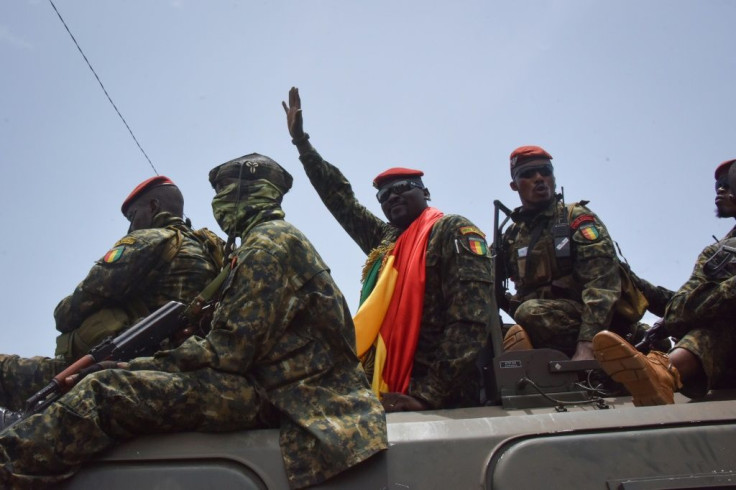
{"x": 397, "y": 188}
{"x": 544, "y": 171}
{"x": 722, "y": 183}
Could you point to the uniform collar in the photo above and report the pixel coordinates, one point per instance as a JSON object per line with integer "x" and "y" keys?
{"x": 521, "y": 215}
{"x": 164, "y": 219}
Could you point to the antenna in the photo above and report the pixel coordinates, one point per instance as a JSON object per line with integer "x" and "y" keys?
{"x": 103, "y": 87}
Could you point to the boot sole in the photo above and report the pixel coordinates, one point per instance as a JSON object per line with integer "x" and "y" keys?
{"x": 516, "y": 339}
{"x": 622, "y": 362}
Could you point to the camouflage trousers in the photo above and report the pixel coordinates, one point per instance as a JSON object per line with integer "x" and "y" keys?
{"x": 716, "y": 350}
{"x": 555, "y": 324}
{"x": 115, "y": 405}
{"x": 21, "y": 377}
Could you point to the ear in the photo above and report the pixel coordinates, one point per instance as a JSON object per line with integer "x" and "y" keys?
{"x": 155, "y": 206}
{"x": 426, "y": 194}
{"x": 513, "y": 186}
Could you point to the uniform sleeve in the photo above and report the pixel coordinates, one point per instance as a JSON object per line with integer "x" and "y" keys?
{"x": 595, "y": 267}
{"x": 464, "y": 302}
{"x": 700, "y": 299}
{"x": 364, "y": 227}
{"x": 114, "y": 278}
{"x": 253, "y": 305}
{"x": 657, "y": 296}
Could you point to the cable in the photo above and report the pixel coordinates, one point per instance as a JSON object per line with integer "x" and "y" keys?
{"x": 560, "y": 404}
{"x": 103, "y": 87}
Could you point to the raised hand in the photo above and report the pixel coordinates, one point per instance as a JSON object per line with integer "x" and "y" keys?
{"x": 294, "y": 116}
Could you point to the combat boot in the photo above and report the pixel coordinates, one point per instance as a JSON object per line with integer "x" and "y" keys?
{"x": 8, "y": 417}
{"x": 516, "y": 339}
{"x": 650, "y": 379}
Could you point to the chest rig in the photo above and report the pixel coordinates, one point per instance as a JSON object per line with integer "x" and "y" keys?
{"x": 542, "y": 255}
{"x": 722, "y": 264}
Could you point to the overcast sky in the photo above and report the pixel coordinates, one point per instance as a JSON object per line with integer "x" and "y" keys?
{"x": 634, "y": 100}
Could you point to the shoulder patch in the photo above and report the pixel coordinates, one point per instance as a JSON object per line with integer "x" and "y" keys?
{"x": 471, "y": 230}
{"x": 477, "y": 245}
{"x": 113, "y": 255}
{"x": 590, "y": 232}
{"x": 583, "y": 218}
{"x": 128, "y": 240}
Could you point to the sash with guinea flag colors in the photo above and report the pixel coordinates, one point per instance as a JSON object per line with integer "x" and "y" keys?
{"x": 390, "y": 316}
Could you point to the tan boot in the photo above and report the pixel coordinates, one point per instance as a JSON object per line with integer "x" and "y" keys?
{"x": 650, "y": 379}
{"x": 516, "y": 339}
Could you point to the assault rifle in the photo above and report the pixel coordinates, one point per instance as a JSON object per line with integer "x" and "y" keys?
{"x": 500, "y": 281}
{"x": 141, "y": 339}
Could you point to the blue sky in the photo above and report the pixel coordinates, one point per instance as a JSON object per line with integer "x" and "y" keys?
{"x": 634, "y": 100}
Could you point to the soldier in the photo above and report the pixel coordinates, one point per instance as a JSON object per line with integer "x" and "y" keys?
{"x": 426, "y": 292}
{"x": 160, "y": 259}
{"x": 281, "y": 350}
{"x": 659, "y": 296}
{"x": 563, "y": 265}
{"x": 700, "y": 313}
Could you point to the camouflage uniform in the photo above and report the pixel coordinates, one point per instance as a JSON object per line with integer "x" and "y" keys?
{"x": 457, "y": 290}
{"x": 657, "y": 296}
{"x": 701, "y": 314}
{"x": 561, "y": 301}
{"x": 143, "y": 271}
{"x": 281, "y": 350}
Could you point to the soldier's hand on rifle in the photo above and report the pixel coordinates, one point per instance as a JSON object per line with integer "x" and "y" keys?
{"x": 179, "y": 337}
{"x": 76, "y": 378}
{"x": 294, "y": 117}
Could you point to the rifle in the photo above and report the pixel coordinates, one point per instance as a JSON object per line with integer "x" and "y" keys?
{"x": 174, "y": 321}
{"x": 141, "y": 339}
{"x": 500, "y": 286}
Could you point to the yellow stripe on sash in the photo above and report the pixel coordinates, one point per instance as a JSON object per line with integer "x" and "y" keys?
{"x": 369, "y": 318}
{"x": 377, "y": 384}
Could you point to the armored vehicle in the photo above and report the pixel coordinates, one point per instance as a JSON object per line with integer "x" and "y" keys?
{"x": 608, "y": 445}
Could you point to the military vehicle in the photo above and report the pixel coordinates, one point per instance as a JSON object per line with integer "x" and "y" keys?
{"x": 609, "y": 444}
{"x": 545, "y": 423}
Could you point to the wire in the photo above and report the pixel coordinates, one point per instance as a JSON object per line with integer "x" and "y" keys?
{"x": 103, "y": 87}
{"x": 560, "y": 404}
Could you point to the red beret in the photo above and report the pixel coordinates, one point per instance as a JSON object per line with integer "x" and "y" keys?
{"x": 156, "y": 181}
{"x": 395, "y": 173}
{"x": 723, "y": 167}
{"x": 526, "y": 154}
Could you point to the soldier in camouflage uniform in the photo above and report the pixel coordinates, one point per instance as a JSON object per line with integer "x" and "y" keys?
{"x": 562, "y": 262}
{"x": 456, "y": 305}
{"x": 701, "y": 313}
{"x": 160, "y": 259}
{"x": 280, "y": 352}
